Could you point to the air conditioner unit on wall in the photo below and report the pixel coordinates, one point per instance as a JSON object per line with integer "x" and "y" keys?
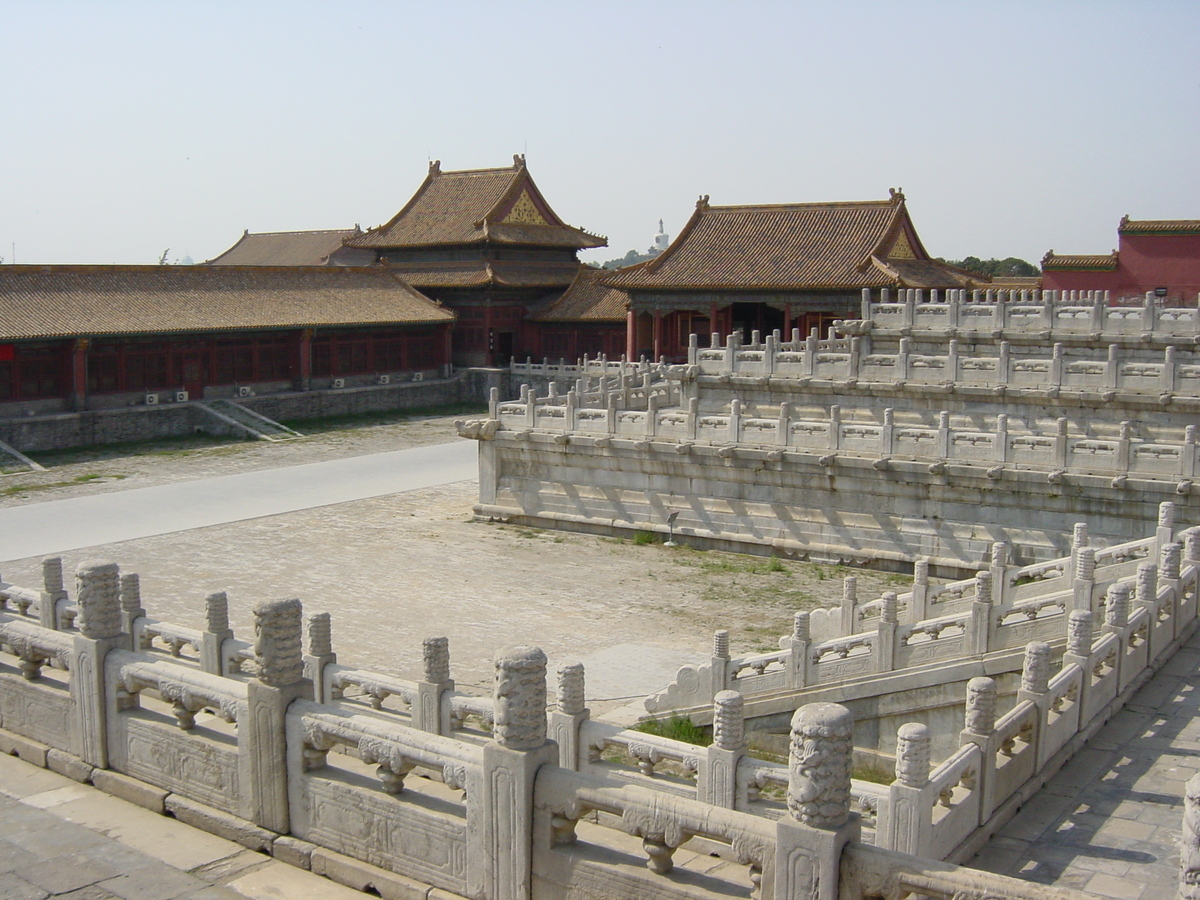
{"x": 181, "y": 396}
{"x": 152, "y": 399}
{"x": 245, "y": 392}
{"x": 384, "y": 379}
{"x": 338, "y": 383}
{"x": 418, "y": 376}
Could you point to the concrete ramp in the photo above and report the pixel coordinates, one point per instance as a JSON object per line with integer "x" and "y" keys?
{"x": 247, "y": 421}
{"x": 10, "y": 455}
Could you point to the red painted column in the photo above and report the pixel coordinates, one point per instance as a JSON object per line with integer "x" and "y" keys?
{"x": 787, "y": 322}
{"x": 306, "y": 338}
{"x": 713, "y": 325}
{"x": 79, "y": 374}
{"x": 630, "y": 335}
{"x": 657, "y": 341}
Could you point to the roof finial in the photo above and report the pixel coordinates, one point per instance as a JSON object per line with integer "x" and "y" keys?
{"x": 435, "y": 167}
{"x": 519, "y": 160}
{"x": 896, "y": 195}
{"x": 1124, "y": 220}
{"x": 702, "y": 203}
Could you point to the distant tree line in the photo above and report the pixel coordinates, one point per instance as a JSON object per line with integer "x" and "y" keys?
{"x": 1010, "y": 267}
{"x": 632, "y": 258}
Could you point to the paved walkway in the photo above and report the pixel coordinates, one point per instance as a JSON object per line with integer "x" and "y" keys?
{"x": 61, "y": 525}
{"x": 62, "y": 839}
{"x": 1109, "y": 822}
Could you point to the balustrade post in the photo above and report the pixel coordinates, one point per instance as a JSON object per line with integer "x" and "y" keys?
{"x": 1035, "y": 685}
{"x": 887, "y": 432}
{"x": 1060, "y": 442}
{"x": 1165, "y": 532}
{"x": 1084, "y": 582}
{"x": 569, "y": 714}
{"x": 952, "y": 362}
{"x": 1004, "y": 363}
{"x": 865, "y": 305}
{"x": 53, "y": 592}
{"x": 1169, "y": 571}
{"x": 719, "y": 663}
{"x": 1079, "y": 639}
{"x": 716, "y": 779}
{"x": 1189, "y": 842}
{"x": 1169, "y": 370}
{"x": 943, "y": 436}
{"x": 885, "y": 633}
{"x": 907, "y": 826}
{"x": 849, "y": 606}
{"x": 320, "y": 654}
{"x": 819, "y": 824}
{"x": 918, "y": 606}
{"x": 216, "y": 633}
{"x": 131, "y": 606}
{"x": 979, "y": 728}
{"x": 735, "y": 421}
{"x": 857, "y": 350}
{"x": 1112, "y": 368}
{"x": 510, "y": 763}
{"x": 835, "y": 427}
{"x": 902, "y": 359}
{"x": 693, "y": 357}
{"x": 97, "y": 594}
{"x": 978, "y": 638}
{"x": 278, "y": 625}
{"x": 1001, "y": 588}
{"x": 798, "y": 644}
{"x": 782, "y": 424}
{"x": 430, "y": 712}
{"x": 1056, "y": 367}
{"x": 1187, "y": 462}
{"x": 811, "y": 348}
{"x": 1124, "y": 446}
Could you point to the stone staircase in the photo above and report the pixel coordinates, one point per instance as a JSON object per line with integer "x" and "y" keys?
{"x": 247, "y": 421}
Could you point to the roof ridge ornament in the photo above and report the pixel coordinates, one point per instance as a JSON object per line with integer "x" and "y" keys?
{"x": 896, "y": 195}
{"x": 702, "y": 203}
{"x": 435, "y": 167}
{"x": 519, "y": 160}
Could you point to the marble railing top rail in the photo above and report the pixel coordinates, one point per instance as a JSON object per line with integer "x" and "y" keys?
{"x": 1009, "y": 444}
{"x": 1040, "y": 313}
{"x": 1110, "y": 369}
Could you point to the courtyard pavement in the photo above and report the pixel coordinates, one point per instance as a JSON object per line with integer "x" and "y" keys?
{"x": 57, "y": 526}
{"x": 1109, "y": 821}
{"x": 66, "y": 840}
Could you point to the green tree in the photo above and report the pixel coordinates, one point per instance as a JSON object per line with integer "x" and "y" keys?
{"x": 1010, "y": 267}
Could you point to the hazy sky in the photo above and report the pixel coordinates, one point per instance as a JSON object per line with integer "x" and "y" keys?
{"x": 1013, "y": 127}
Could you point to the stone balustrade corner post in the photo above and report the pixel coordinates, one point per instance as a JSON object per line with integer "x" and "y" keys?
{"x": 98, "y": 596}
{"x": 278, "y": 653}
{"x": 819, "y": 824}
{"x": 716, "y": 776}
{"x": 510, "y": 763}
{"x": 907, "y": 824}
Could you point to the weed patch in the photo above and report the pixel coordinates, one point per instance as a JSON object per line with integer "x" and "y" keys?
{"x": 677, "y": 728}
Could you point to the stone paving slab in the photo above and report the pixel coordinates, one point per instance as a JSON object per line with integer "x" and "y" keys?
{"x": 70, "y": 841}
{"x": 1109, "y": 822}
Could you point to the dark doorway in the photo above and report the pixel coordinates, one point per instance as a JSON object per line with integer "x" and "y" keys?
{"x": 751, "y": 317}
{"x": 504, "y": 348}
